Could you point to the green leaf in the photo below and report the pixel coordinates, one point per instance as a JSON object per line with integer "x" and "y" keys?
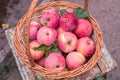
{"x": 54, "y": 49}
{"x": 62, "y": 11}
{"x": 46, "y": 53}
{"x": 84, "y": 15}
{"x": 55, "y": 43}
{"x": 80, "y": 13}
{"x": 41, "y": 47}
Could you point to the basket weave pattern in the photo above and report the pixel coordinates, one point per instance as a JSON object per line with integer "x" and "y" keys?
{"x": 21, "y": 42}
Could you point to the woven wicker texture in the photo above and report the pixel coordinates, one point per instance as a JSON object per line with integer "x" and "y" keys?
{"x": 21, "y": 41}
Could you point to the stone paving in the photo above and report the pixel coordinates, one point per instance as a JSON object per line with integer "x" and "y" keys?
{"x": 106, "y": 12}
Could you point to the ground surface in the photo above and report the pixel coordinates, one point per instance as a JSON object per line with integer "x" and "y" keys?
{"x": 106, "y": 12}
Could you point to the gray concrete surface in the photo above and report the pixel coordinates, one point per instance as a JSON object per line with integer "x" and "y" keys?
{"x": 106, "y": 12}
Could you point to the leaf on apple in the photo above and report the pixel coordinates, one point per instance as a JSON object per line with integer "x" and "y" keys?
{"x": 46, "y": 53}
{"x": 80, "y": 13}
{"x": 41, "y": 47}
{"x": 55, "y": 43}
{"x": 52, "y": 48}
{"x": 63, "y": 11}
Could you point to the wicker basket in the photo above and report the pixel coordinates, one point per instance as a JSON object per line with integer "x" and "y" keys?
{"x": 21, "y": 41}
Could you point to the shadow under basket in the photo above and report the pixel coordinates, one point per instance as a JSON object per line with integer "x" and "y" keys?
{"x": 21, "y": 41}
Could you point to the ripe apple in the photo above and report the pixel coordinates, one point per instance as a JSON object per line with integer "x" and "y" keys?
{"x": 41, "y": 61}
{"x": 68, "y": 22}
{"x": 74, "y": 60}
{"x": 60, "y": 30}
{"x": 55, "y": 61}
{"x": 50, "y": 18}
{"x": 34, "y": 26}
{"x": 36, "y": 54}
{"x": 86, "y": 46}
{"x": 46, "y": 35}
{"x": 84, "y": 28}
{"x": 67, "y": 42}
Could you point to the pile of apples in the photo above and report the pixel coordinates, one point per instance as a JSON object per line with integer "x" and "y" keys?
{"x": 61, "y": 41}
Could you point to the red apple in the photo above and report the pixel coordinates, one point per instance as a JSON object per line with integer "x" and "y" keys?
{"x": 74, "y": 60}
{"x": 86, "y": 46}
{"x": 55, "y": 61}
{"x": 41, "y": 61}
{"x": 60, "y": 30}
{"x": 50, "y": 18}
{"x": 67, "y": 42}
{"x": 34, "y": 26}
{"x": 84, "y": 28}
{"x": 36, "y": 54}
{"x": 68, "y": 22}
{"x": 46, "y": 35}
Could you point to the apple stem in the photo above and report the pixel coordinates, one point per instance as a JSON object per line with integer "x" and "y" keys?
{"x": 57, "y": 66}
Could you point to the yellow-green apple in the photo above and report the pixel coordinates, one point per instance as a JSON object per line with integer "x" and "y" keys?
{"x": 55, "y": 61}
{"x": 86, "y": 46}
{"x": 68, "y": 22}
{"x": 67, "y": 42}
{"x": 50, "y": 18}
{"x": 74, "y": 60}
{"x": 84, "y": 28}
{"x": 34, "y": 26}
{"x": 41, "y": 61}
{"x": 46, "y": 35}
{"x": 36, "y": 54}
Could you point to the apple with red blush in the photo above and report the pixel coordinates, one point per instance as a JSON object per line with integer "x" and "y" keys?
{"x": 86, "y": 46}
{"x": 74, "y": 60}
{"x": 68, "y": 22}
{"x": 55, "y": 61}
{"x": 46, "y": 35}
{"x": 83, "y": 29}
{"x": 36, "y": 54}
{"x": 50, "y": 18}
{"x": 67, "y": 42}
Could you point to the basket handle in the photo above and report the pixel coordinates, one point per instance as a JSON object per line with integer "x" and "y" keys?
{"x": 28, "y": 17}
{"x": 86, "y": 5}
